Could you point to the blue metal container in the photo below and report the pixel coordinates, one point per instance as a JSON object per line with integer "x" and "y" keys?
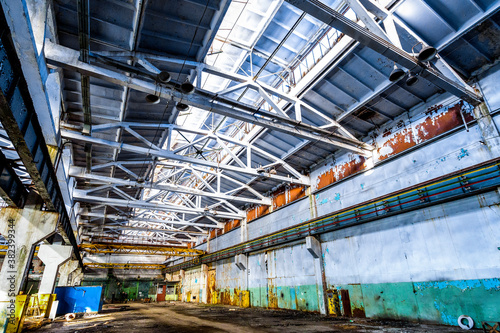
{"x": 79, "y": 299}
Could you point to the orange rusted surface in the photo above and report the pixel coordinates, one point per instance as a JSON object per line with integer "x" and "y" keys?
{"x": 442, "y": 122}
{"x": 216, "y": 233}
{"x": 256, "y": 212}
{"x": 272, "y": 296}
{"x": 288, "y": 194}
{"x": 397, "y": 143}
{"x": 211, "y": 292}
{"x": 341, "y": 171}
{"x": 231, "y": 225}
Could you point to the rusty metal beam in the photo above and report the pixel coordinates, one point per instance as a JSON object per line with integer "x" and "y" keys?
{"x": 20, "y": 122}
{"x": 12, "y": 189}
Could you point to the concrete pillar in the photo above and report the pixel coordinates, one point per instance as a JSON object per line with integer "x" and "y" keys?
{"x": 52, "y": 256}
{"x": 204, "y": 277}
{"x": 243, "y": 230}
{"x": 314, "y": 247}
{"x": 313, "y": 208}
{"x": 65, "y": 271}
{"x": 76, "y": 277}
{"x": 242, "y": 263}
{"x": 23, "y": 228}
{"x": 489, "y": 131}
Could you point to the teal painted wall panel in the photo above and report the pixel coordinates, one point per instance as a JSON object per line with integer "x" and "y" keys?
{"x": 435, "y": 301}
{"x": 303, "y": 298}
{"x": 393, "y": 300}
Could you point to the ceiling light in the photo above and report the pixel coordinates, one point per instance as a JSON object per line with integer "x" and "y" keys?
{"x": 411, "y": 80}
{"x": 187, "y": 88}
{"x": 152, "y": 99}
{"x": 396, "y": 74}
{"x": 427, "y": 54}
{"x": 181, "y": 107}
{"x": 164, "y": 77}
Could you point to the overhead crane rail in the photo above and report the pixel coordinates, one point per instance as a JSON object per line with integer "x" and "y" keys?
{"x": 107, "y": 265}
{"x": 140, "y": 250}
{"x": 467, "y": 182}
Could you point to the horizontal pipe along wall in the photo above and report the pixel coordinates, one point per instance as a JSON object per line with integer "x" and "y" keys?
{"x": 431, "y": 264}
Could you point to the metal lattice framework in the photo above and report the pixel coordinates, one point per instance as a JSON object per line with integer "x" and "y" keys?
{"x": 191, "y": 183}
{"x": 140, "y": 250}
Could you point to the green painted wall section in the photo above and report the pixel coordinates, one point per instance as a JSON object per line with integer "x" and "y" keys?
{"x": 303, "y": 298}
{"x": 131, "y": 289}
{"x": 439, "y": 302}
{"x": 436, "y": 302}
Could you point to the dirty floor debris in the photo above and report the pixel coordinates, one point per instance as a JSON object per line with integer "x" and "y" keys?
{"x": 177, "y": 317}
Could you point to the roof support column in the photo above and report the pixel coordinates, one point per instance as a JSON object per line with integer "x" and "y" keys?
{"x": 52, "y": 256}
{"x": 244, "y": 230}
{"x": 204, "y": 277}
{"x": 23, "y": 229}
{"x": 489, "y": 131}
{"x": 314, "y": 247}
{"x": 67, "y": 269}
{"x": 76, "y": 277}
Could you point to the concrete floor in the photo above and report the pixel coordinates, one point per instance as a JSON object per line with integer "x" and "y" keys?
{"x": 190, "y": 318}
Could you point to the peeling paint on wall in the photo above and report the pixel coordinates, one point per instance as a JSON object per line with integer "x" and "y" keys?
{"x": 340, "y": 171}
{"x": 403, "y": 136}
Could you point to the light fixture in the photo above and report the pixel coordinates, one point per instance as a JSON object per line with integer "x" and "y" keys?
{"x": 181, "y": 107}
{"x": 411, "y": 80}
{"x": 152, "y": 99}
{"x": 187, "y": 88}
{"x": 427, "y": 53}
{"x": 396, "y": 74}
{"x": 164, "y": 77}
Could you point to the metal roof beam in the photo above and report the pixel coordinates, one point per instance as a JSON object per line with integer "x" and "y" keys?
{"x": 205, "y": 100}
{"x": 162, "y": 153}
{"x": 79, "y": 195}
{"x": 154, "y": 220}
{"x": 81, "y": 173}
{"x": 387, "y": 49}
{"x": 143, "y": 229}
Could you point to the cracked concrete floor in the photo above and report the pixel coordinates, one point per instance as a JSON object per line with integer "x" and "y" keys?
{"x": 190, "y": 318}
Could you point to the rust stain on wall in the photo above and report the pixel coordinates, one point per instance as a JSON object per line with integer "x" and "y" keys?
{"x": 442, "y": 122}
{"x": 216, "y": 232}
{"x": 341, "y": 171}
{"x": 287, "y": 194}
{"x": 231, "y": 225}
{"x": 399, "y": 142}
{"x": 211, "y": 292}
{"x": 256, "y": 212}
{"x": 272, "y": 296}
